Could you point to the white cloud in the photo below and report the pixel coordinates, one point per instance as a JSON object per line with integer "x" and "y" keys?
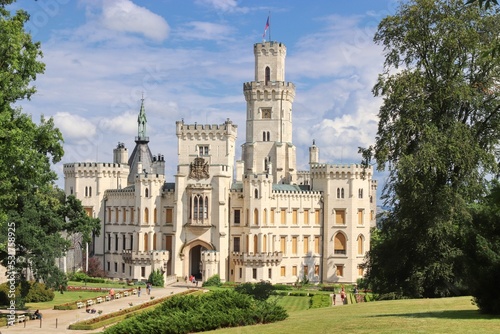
{"x": 74, "y": 127}
{"x": 205, "y": 31}
{"x": 124, "y": 15}
{"x": 223, "y": 5}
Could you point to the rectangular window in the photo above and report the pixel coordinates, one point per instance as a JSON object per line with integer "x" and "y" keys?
{"x": 316, "y": 244}
{"x": 88, "y": 211}
{"x": 283, "y": 271}
{"x": 360, "y": 193}
{"x": 306, "y": 271}
{"x": 360, "y": 216}
{"x": 272, "y": 217}
{"x": 340, "y": 217}
{"x": 203, "y": 149}
{"x": 306, "y": 217}
{"x": 143, "y": 271}
{"x": 241, "y": 272}
{"x": 236, "y": 245}
{"x": 123, "y": 268}
{"x": 124, "y": 241}
{"x": 168, "y": 243}
{"x": 283, "y": 216}
{"x": 294, "y": 217}
{"x": 116, "y": 267}
{"x": 283, "y": 245}
{"x": 237, "y": 217}
{"x": 340, "y": 270}
{"x": 254, "y": 273}
{"x": 116, "y": 243}
{"x": 294, "y": 271}
{"x": 306, "y": 245}
{"x": 169, "y": 216}
{"x": 316, "y": 270}
{"x": 247, "y": 218}
{"x": 132, "y": 211}
{"x": 294, "y": 245}
{"x": 360, "y": 271}
{"x": 130, "y": 270}
{"x": 124, "y": 210}
{"x": 270, "y": 273}
{"x": 108, "y": 265}
{"x": 372, "y": 215}
{"x": 109, "y": 243}
{"x": 316, "y": 217}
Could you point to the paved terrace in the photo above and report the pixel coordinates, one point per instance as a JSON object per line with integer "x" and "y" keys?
{"x": 66, "y": 317}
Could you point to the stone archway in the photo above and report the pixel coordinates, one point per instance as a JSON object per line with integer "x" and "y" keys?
{"x": 192, "y": 262}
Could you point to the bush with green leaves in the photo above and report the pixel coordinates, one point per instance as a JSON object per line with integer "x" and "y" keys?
{"x": 26, "y": 291}
{"x": 213, "y": 281}
{"x": 259, "y": 291}
{"x": 320, "y": 300}
{"x": 209, "y": 311}
{"x": 156, "y": 278}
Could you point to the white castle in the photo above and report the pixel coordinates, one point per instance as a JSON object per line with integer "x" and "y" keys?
{"x": 249, "y": 220}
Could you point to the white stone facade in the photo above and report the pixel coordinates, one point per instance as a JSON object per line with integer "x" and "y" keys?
{"x": 249, "y": 220}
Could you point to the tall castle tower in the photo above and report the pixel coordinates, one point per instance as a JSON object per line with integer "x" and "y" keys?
{"x": 268, "y": 148}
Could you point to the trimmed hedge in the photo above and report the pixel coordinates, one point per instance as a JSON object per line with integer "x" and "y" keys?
{"x": 188, "y": 314}
{"x": 320, "y": 300}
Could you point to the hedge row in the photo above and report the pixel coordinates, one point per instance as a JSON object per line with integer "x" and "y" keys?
{"x": 209, "y": 311}
{"x": 320, "y": 300}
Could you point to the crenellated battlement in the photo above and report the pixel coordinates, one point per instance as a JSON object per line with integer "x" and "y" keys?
{"x": 92, "y": 168}
{"x": 209, "y": 256}
{"x": 353, "y": 170}
{"x": 269, "y": 47}
{"x": 211, "y": 131}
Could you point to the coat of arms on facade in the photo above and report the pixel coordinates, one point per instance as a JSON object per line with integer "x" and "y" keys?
{"x": 198, "y": 169}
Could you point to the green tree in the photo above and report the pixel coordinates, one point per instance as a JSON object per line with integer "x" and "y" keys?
{"x": 31, "y": 208}
{"x": 482, "y": 251}
{"x": 438, "y": 127}
{"x": 259, "y": 291}
{"x": 156, "y": 278}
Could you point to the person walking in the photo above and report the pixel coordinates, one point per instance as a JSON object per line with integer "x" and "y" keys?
{"x": 138, "y": 291}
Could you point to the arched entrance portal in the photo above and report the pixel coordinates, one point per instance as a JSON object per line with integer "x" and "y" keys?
{"x": 195, "y": 266}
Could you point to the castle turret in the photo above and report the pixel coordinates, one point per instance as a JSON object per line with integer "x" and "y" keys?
{"x": 120, "y": 154}
{"x": 313, "y": 154}
{"x": 269, "y": 116}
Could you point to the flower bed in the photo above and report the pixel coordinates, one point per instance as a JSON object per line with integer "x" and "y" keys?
{"x": 102, "y": 320}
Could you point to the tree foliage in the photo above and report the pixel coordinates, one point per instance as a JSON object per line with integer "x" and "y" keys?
{"x": 29, "y": 202}
{"x": 438, "y": 128}
{"x": 482, "y": 252}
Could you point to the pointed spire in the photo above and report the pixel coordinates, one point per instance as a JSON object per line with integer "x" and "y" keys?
{"x": 141, "y": 122}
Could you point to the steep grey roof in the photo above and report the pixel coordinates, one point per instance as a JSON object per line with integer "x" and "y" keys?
{"x": 142, "y": 154}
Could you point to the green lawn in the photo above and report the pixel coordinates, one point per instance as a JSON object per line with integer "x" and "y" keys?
{"x": 444, "y": 315}
{"x": 66, "y": 297}
{"x": 291, "y": 303}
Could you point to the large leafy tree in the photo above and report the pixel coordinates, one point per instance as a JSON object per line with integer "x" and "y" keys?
{"x": 31, "y": 207}
{"x": 438, "y": 130}
{"x": 482, "y": 251}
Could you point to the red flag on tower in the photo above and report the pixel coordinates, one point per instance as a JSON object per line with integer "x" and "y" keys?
{"x": 265, "y": 28}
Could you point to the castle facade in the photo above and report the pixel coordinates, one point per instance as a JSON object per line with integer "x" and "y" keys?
{"x": 254, "y": 219}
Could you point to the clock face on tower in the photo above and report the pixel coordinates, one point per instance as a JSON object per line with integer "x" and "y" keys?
{"x": 266, "y": 113}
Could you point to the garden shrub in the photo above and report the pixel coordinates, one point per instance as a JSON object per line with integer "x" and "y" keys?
{"x": 26, "y": 292}
{"x": 38, "y": 293}
{"x": 282, "y": 287}
{"x": 259, "y": 291}
{"x": 213, "y": 281}
{"x": 320, "y": 300}
{"x": 156, "y": 278}
{"x": 189, "y": 314}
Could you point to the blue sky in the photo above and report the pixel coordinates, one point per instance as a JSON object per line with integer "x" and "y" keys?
{"x": 190, "y": 59}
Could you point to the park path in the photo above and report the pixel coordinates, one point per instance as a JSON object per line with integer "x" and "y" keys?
{"x": 64, "y": 318}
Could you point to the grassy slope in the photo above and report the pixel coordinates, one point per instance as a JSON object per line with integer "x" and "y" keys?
{"x": 66, "y": 297}
{"x": 446, "y": 315}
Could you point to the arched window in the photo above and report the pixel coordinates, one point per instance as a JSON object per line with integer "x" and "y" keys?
{"x": 338, "y": 192}
{"x": 264, "y": 136}
{"x": 264, "y": 217}
{"x": 360, "y": 193}
{"x": 255, "y": 244}
{"x": 146, "y": 192}
{"x": 154, "y": 241}
{"x": 265, "y": 164}
{"x": 146, "y": 215}
{"x": 342, "y": 193}
{"x": 90, "y": 191}
{"x": 86, "y": 191}
{"x": 146, "y": 242}
{"x": 268, "y": 136}
{"x": 264, "y": 243}
{"x": 155, "y": 220}
{"x": 256, "y": 217}
{"x": 268, "y": 74}
{"x": 199, "y": 207}
{"x": 360, "y": 244}
{"x": 339, "y": 244}
{"x": 256, "y": 193}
